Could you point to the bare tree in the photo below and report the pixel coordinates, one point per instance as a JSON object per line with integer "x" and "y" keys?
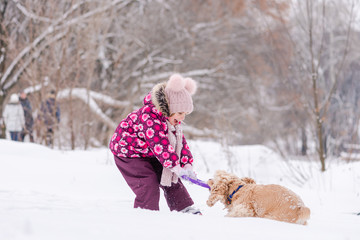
{"x": 3, "y": 51}
{"x": 36, "y": 35}
{"x": 320, "y": 33}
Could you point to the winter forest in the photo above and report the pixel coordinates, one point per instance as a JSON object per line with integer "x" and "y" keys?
{"x": 284, "y": 74}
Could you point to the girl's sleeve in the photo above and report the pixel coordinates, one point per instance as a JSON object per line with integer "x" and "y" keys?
{"x": 186, "y": 156}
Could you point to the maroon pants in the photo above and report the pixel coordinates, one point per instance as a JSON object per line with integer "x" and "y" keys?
{"x": 143, "y": 176}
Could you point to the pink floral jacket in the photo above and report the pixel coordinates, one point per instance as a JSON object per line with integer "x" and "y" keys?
{"x": 144, "y": 133}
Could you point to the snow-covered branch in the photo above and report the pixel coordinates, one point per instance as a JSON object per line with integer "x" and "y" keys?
{"x": 30, "y": 14}
{"x": 33, "y": 56}
{"x": 56, "y": 25}
{"x": 96, "y": 11}
{"x": 49, "y": 30}
{"x": 37, "y": 87}
{"x": 89, "y": 97}
{"x": 165, "y": 75}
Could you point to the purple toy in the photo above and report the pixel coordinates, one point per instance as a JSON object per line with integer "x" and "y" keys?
{"x": 196, "y": 181}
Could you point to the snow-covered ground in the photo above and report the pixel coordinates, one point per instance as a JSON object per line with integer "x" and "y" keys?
{"x": 51, "y": 194}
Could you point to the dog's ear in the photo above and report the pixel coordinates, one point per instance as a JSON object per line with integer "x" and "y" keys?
{"x": 248, "y": 180}
{"x": 218, "y": 192}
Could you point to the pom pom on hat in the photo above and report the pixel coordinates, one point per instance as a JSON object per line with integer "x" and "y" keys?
{"x": 190, "y": 85}
{"x": 176, "y": 83}
{"x": 179, "y": 91}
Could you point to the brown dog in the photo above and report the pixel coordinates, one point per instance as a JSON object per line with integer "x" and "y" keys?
{"x": 252, "y": 200}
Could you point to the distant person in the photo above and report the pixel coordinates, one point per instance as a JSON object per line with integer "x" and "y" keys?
{"x": 50, "y": 116}
{"x": 14, "y": 117}
{"x": 29, "y": 121}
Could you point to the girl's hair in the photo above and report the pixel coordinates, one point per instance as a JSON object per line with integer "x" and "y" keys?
{"x": 175, "y": 113}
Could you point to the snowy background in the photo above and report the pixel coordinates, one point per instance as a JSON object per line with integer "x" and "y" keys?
{"x": 51, "y": 194}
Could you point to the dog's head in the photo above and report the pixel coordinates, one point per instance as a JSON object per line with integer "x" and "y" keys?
{"x": 220, "y": 186}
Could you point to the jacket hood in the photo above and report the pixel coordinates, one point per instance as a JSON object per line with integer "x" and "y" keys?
{"x": 159, "y": 99}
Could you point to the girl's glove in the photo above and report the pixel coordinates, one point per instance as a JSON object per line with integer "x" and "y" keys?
{"x": 187, "y": 170}
{"x": 179, "y": 171}
{"x": 190, "y": 171}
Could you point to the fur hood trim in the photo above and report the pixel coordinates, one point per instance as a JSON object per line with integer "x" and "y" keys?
{"x": 159, "y": 99}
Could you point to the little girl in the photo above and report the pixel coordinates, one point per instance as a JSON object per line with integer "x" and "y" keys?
{"x": 150, "y": 149}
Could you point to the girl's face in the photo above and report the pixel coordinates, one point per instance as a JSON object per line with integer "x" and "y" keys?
{"x": 176, "y": 118}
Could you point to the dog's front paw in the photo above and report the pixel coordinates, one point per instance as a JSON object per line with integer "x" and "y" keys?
{"x": 210, "y": 203}
{"x": 213, "y": 199}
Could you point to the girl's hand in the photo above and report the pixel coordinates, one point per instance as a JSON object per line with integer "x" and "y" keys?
{"x": 187, "y": 170}
{"x": 179, "y": 171}
{"x": 190, "y": 171}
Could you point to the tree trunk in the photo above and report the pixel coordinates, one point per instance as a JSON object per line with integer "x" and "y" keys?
{"x": 71, "y": 123}
{"x": 2, "y": 123}
{"x": 314, "y": 79}
{"x": 3, "y": 48}
{"x": 303, "y": 142}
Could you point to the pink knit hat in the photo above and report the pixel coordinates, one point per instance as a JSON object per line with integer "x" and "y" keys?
{"x": 179, "y": 91}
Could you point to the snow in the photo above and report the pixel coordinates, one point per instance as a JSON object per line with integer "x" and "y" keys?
{"x": 53, "y": 194}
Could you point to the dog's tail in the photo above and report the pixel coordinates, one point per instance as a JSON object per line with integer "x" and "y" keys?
{"x": 304, "y": 215}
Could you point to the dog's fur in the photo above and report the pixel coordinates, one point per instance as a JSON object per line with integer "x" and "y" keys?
{"x": 253, "y": 200}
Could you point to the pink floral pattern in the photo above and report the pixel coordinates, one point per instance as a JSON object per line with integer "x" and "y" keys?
{"x": 144, "y": 134}
{"x": 149, "y": 123}
{"x": 145, "y": 117}
{"x": 114, "y": 137}
{"x": 150, "y": 133}
{"x": 148, "y": 97}
{"x": 171, "y": 149}
{"x": 184, "y": 160}
{"x": 133, "y": 117}
{"x": 167, "y": 164}
{"x": 136, "y": 128}
{"x": 158, "y": 149}
{"x": 124, "y": 124}
{"x": 165, "y": 155}
{"x": 123, "y": 142}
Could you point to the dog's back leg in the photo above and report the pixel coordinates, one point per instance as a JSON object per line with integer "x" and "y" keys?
{"x": 304, "y": 215}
